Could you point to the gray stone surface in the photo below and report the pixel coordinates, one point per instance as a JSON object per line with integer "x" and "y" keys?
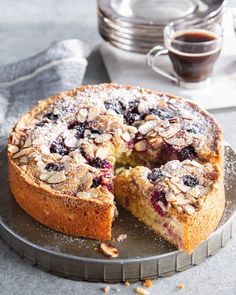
{"x": 26, "y": 27}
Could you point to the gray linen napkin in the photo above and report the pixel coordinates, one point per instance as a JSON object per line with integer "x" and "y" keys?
{"x": 22, "y": 84}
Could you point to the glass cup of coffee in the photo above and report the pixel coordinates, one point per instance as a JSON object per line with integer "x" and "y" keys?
{"x": 192, "y": 50}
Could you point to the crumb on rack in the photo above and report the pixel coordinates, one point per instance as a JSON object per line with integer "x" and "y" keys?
{"x": 127, "y": 284}
{"x": 121, "y": 237}
{"x": 181, "y": 286}
{"x": 106, "y": 289}
{"x": 148, "y": 283}
{"x": 141, "y": 291}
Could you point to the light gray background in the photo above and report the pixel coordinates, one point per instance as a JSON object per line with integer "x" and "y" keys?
{"x": 29, "y": 26}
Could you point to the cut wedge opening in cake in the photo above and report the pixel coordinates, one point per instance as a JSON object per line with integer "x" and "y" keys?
{"x": 63, "y": 154}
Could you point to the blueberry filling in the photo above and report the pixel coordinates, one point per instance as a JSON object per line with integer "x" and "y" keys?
{"x": 99, "y": 163}
{"x": 159, "y": 195}
{"x": 54, "y": 167}
{"x": 187, "y": 153}
{"x": 194, "y": 129}
{"x": 189, "y": 180}
{"x": 58, "y": 146}
{"x": 79, "y": 127}
{"x": 161, "y": 114}
{"x": 130, "y": 117}
{"x": 96, "y": 182}
{"x": 154, "y": 175}
{"x": 116, "y": 106}
{"x": 52, "y": 117}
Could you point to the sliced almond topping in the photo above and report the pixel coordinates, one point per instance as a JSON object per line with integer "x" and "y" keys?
{"x": 193, "y": 163}
{"x": 82, "y": 115}
{"x": 13, "y": 148}
{"x": 132, "y": 129}
{"x": 93, "y": 113}
{"x": 102, "y": 152}
{"x": 23, "y": 152}
{"x": 93, "y": 192}
{"x": 85, "y": 195}
{"x": 182, "y": 187}
{"x": 103, "y": 138}
{"x": 170, "y": 197}
{"x": 146, "y": 127}
{"x": 141, "y": 146}
{"x": 27, "y": 143}
{"x": 24, "y": 160}
{"x": 45, "y": 175}
{"x": 40, "y": 164}
{"x": 189, "y": 209}
{"x": 150, "y": 117}
{"x": 171, "y": 131}
{"x": 126, "y": 136}
{"x": 71, "y": 142}
{"x": 177, "y": 141}
{"x": 57, "y": 177}
{"x": 109, "y": 250}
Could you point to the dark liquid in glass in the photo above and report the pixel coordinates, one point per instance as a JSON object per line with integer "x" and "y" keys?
{"x": 193, "y": 61}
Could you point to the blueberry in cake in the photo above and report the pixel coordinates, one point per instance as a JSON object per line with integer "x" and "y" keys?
{"x": 62, "y": 158}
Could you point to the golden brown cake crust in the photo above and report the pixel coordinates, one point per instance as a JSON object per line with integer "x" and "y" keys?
{"x": 92, "y": 217}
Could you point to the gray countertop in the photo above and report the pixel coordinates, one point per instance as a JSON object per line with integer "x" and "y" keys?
{"x": 29, "y": 26}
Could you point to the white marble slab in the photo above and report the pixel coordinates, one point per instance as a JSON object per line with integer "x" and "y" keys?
{"x": 124, "y": 67}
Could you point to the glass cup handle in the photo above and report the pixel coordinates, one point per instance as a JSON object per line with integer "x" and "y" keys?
{"x": 152, "y": 56}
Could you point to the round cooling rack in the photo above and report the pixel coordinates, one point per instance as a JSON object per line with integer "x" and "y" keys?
{"x": 142, "y": 253}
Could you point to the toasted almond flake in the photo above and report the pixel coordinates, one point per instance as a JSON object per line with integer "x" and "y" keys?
{"x": 177, "y": 141}
{"x": 126, "y": 136}
{"x": 193, "y": 163}
{"x": 40, "y": 164}
{"x": 71, "y": 142}
{"x": 24, "y": 167}
{"x": 182, "y": 187}
{"x": 181, "y": 201}
{"x": 86, "y": 180}
{"x": 93, "y": 113}
{"x": 102, "y": 152}
{"x": 103, "y": 138}
{"x": 141, "y": 146}
{"x": 13, "y": 148}
{"x": 141, "y": 291}
{"x": 45, "y": 176}
{"x": 163, "y": 207}
{"x": 189, "y": 209}
{"x": 45, "y": 150}
{"x": 85, "y": 195}
{"x": 24, "y": 160}
{"x": 93, "y": 192}
{"x": 83, "y": 112}
{"x": 147, "y": 127}
{"x": 170, "y": 197}
{"x": 27, "y": 143}
{"x": 174, "y": 188}
{"x": 171, "y": 131}
{"x": 132, "y": 129}
{"x": 109, "y": 250}
{"x": 57, "y": 177}
{"x": 150, "y": 117}
{"x": 23, "y": 152}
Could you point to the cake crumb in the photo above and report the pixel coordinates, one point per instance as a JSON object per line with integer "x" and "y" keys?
{"x": 121, "y": 237}
{"x": 106, "y": 289}
{"x": 148, "y": 283}
{"x": 141, "y": 291}
{"x": 109, "y": 250}
{"x": 181, "y": 286}
{"x": 127, "y": 284}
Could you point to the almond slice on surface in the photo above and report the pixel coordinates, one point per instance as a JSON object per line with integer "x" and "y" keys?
{"x": 13, "y": 149}
{"x": 109, "y": 250}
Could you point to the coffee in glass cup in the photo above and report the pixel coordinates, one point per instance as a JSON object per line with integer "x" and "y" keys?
{"x": 192, "y": 49}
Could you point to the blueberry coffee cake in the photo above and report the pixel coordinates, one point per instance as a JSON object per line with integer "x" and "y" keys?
{"x": 167, "y": 152}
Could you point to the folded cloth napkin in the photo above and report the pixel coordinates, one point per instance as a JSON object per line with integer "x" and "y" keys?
{"x": 22, "y": 84}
